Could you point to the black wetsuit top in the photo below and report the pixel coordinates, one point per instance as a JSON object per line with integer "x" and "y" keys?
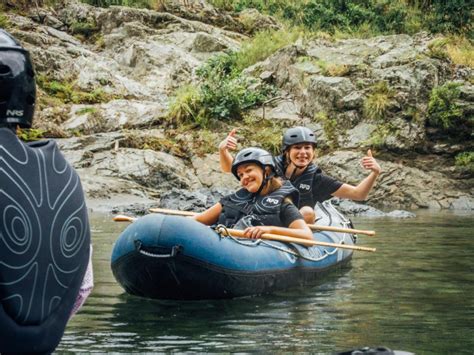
{"x": 313, "y": 185}
{"x": 44, "y": 244}
{"x": 268, "y": 210}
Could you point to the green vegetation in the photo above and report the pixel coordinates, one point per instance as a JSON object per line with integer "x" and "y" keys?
{"x": 185, "y": 107}
{"x": 360, "y": 18}
{"x": 204, "y": 141}
{"x": 24, "y": 5}
{"x": 364, "y": 17}
{"x": 378, "y": 101}
{"x": 458, "y": 49}
{"x": 147, "y": 4}
{"x": 29, "y": 135}
{"x": 330, "y": 69}
{"x": 443, "y": 111}
{"x": 262, "y": 45}
{"x": 379, "y": 136}
{"x": 86, "y": 110}
{"x": 137, "y": 140}
{"x": 84, "y": 28}
{"x": 223, "y": 94}
{"x": 4, "y": 22}
{"x": 264, "y": 133}
{"x": 67, "y": 92}
{"x": 465, "y": 160}
{"x": 330, "y": 128}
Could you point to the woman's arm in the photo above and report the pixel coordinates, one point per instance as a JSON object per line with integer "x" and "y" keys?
{"x": 297, "y": 229}
{"x": 291, "y": 217}
{"x": 225, "y": 158}
{"x": 209, "y": 216}
{"x": 361, "y": 191}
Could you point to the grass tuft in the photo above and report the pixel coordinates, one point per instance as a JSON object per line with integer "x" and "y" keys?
{"x": 378, "y": 101}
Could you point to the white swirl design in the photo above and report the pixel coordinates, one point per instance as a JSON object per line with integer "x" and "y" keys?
{"x": 44, "y": 230}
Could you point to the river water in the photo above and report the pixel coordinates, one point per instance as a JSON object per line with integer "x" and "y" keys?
{"x": 416, "y": 294}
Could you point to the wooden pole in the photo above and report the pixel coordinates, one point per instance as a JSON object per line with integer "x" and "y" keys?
{"x": 312, "y": 226}
{"x": 173, "y": 212}
{"x": 268, "y": 236}
{"x": 282, "y": 238}
{"x": 341, "y": 230}
{"x": 122, "y": 218}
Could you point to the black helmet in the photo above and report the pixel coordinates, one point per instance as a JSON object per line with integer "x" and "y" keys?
{"x": 297, "y": 135}
{"x": 17, "y": 83}
{"x": 252, "y": 155}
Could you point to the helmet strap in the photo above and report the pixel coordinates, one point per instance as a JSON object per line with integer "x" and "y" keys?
{"x": 266, "y": 179}
{"x": 295, "y": 170}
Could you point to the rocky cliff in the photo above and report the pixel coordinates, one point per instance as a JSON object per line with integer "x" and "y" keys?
{"x": 106, "y": 78}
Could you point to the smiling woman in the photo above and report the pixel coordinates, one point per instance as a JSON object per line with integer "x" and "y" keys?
{"x": 295, "y": 165}
{"x": 265, "y": 204}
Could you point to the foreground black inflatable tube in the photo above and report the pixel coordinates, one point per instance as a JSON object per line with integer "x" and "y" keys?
{"x": 169, "y": 257}
{"x": 44, "y": 244}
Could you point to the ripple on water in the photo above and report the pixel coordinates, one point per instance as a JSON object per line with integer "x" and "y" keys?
{"x": 413, "y": 294}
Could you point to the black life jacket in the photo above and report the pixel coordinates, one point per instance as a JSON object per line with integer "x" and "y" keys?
{"x": 303, "y": 183}
{"x": 44, "y": 244}
{"x": 265, "y": 208}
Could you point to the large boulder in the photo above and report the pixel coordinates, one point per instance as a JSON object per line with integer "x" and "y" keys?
{"x": 399, "y": 186}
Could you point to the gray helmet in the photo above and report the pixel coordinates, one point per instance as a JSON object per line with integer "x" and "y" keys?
{"x": 252, "y": 155}
{"x": 17, "y": 83}
{"x": 297, "y": 135}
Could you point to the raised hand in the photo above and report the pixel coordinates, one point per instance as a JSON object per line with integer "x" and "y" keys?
{"x": 369, "y": 163}
{"x": 230, "y": 142}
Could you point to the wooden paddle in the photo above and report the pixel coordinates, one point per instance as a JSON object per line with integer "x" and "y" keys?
{"x": 122, "y": 218}
{"x": 268, "y": 236}
{"x": 283, "y": 238}
{"x": 312, "y": 226}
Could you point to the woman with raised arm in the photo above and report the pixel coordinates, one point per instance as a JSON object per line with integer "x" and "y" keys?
{"x": 296, "y": 165}
{"x": 264, "y": 204}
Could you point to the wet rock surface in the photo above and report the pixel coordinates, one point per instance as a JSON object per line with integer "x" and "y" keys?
{"x": 140, "y": 57}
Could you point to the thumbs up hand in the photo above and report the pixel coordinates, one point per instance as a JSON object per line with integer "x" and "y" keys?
{"x": 230, "y": 142}
{"x": 369, "y": 163}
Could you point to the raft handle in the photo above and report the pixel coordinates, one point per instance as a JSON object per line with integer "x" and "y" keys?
{"x": 174, "y": 251}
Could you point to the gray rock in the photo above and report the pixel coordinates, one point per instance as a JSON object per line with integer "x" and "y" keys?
{"x": 359, "y": 135}
{"x": 351, "y": 52}
{"x": 400, "y": 214}
{"x": 353, "y": 100}
{"x": 208, "y": 172}
{"x": 143, "y": 56}
{"x": 463, "y": 203}
{"x": 204, "y": 42}
{"x": 398, "y": 186}
{"x": 254, "y": 21}
{"x": 352, "y": 208}
{"x": 195, "y": 201}
{"x": 283, "y": 110}
{"x": 115, "y": 114}
{"x": 157, "y": 170}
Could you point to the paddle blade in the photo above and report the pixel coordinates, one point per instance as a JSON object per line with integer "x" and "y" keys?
{"x": 122, "y": 218}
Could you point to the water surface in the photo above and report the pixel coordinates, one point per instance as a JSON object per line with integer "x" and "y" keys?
{"x": 414, "y": 294}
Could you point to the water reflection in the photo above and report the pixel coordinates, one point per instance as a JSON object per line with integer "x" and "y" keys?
{"x": 414, "y": 294}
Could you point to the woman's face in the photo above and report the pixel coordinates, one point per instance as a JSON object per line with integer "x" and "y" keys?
{"x": 301, "y": 154}
{"x": 251, "y": 176}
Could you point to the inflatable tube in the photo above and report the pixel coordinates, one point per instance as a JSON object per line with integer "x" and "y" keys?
{"x": 170, "y": 257}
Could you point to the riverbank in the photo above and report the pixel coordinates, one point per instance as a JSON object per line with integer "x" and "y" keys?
{"x": 122, "y": 89}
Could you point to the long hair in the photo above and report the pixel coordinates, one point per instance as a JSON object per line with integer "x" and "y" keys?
{"x": 286, "y": 157}
{"x": 274, "y": 184}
